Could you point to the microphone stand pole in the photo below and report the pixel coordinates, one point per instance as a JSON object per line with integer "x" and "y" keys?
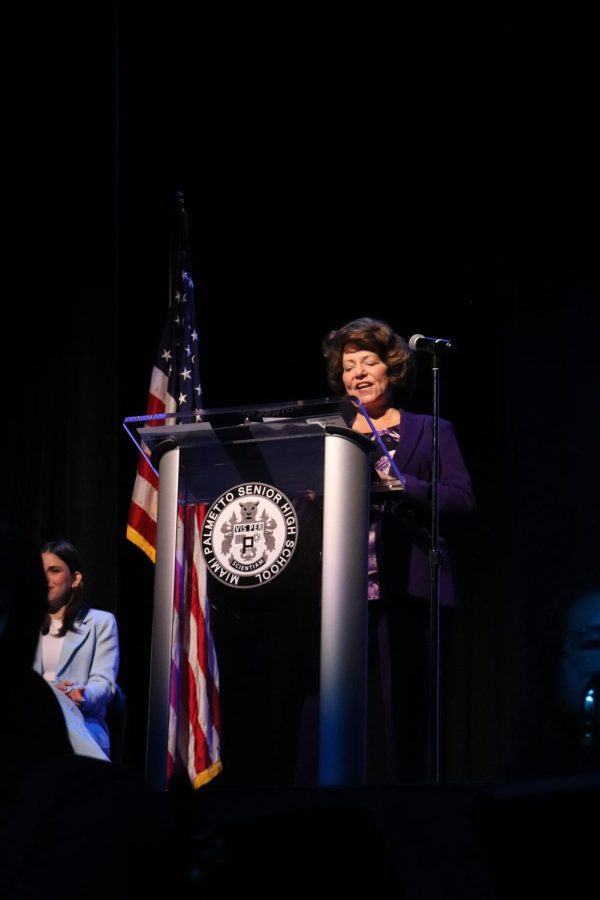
{"x": 433, "y": 754}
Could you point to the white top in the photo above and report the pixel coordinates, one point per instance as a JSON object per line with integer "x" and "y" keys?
{"x": 51, "y": 647}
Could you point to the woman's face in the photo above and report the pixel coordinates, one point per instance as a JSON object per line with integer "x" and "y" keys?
{"x": 61, "y": 580}
{"x": 365, "y": 376}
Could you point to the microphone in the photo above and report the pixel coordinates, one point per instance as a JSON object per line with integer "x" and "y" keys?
{"x": 420, "y": 342}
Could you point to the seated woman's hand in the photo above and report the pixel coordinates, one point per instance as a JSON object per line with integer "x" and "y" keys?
{"x": 75, "y": 692}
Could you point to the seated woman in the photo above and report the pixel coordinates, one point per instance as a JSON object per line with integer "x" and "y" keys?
{"x": 77, "y": 652}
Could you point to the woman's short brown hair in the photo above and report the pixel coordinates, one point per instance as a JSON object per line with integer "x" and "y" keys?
{"x": 375, "y": 335}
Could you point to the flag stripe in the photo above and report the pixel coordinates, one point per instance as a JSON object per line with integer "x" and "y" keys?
{"x": 203, "y": 671}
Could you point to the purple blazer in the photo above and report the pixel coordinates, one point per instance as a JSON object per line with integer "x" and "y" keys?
{"x": 403, "y": 556}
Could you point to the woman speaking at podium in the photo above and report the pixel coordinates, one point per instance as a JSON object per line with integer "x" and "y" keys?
{"x": 370, "y": 363}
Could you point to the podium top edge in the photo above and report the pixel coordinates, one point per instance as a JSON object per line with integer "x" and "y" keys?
{"x": 253, "y": 412}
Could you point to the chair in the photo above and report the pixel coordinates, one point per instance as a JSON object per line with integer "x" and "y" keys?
{"x": 115, "y": 721}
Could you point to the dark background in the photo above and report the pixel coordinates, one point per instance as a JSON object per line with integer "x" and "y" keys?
{"x": 331, "y": 168}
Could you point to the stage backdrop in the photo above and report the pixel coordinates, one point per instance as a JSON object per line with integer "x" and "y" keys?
{"x": 301, "y": 219}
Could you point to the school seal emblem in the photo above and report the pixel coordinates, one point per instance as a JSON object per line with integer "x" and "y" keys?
{"x": 249, "y": 535}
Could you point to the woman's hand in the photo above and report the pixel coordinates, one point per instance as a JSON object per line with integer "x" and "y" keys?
{"x": 75, "y": 692}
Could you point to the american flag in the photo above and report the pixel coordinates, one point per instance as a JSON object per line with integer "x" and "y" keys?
{"x": 194, "y": 715}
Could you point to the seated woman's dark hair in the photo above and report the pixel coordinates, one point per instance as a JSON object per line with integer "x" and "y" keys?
{"x": 376, "y": 335}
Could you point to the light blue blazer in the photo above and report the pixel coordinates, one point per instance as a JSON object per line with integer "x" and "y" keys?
{"x": 90, "y": 657}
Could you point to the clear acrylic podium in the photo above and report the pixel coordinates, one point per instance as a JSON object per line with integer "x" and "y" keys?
{"x": 295, "y": 447}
